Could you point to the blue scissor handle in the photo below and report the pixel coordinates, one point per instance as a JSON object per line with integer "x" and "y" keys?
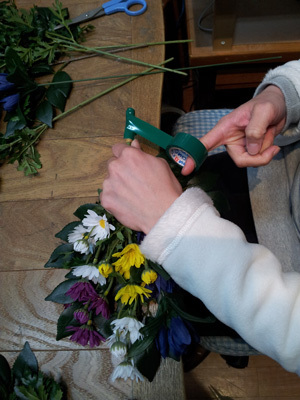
{"x": 113, "y": 6}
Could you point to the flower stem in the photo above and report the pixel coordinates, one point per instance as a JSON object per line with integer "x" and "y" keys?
{"x": 109, "y": 287}
{"x": 79, "y": 47}
{"x": 98, "y": 95}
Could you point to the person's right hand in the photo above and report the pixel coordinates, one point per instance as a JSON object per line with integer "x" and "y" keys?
{"x": 249, "y": 131}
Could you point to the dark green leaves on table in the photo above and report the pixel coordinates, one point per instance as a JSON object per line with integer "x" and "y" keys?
{"x": 24, "y": 380}
{"x": 28, "y": 48}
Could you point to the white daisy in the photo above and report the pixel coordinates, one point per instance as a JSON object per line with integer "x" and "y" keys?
{"x": 79, "y": 238}
{"x": 81, "y": 246}
{"x": 118, "y": 349}
{"x": 90, "y": 272}
{"x": 126, "y": 370}
{"x": 97, "y": 225}
{"x": 127, "y": 325}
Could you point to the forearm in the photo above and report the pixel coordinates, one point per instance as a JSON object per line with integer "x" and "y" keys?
{"x": 241, "y": 283}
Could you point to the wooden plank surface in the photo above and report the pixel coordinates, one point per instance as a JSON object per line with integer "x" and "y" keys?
{"x": 33, "y": 209}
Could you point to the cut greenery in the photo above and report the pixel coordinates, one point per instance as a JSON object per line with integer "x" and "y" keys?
{"x": 24, "y": 381}
{"x": 29, "y": 49}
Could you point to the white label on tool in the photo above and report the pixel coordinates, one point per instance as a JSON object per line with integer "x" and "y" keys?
{"x": 178, "y": 155}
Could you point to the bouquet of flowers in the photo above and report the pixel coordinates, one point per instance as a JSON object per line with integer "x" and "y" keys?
{"x": 113, "y": 294}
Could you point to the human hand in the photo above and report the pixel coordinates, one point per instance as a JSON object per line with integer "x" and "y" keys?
{"x": 139, "y": 187}
{"x": 249, "y": 130}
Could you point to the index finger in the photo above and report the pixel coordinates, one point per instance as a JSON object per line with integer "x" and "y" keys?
{"x": 242, "y": 158}
{"x": 118, "y": 149}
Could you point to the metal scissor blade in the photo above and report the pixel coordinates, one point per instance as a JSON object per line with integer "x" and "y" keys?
{"x": 84, "y": 17}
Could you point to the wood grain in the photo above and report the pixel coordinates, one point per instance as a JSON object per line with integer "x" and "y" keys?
{"x": 32, "y": 209}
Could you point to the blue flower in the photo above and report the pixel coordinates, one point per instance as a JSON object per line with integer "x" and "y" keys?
{"x": 174, "y": 340}
{"x": 5, "y": 85}
{"x": 161, "y": 285}
{"x": 8, "y": 96}
{"x": 10, "y": 102}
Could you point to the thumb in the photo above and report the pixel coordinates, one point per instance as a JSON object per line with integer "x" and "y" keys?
{"x": 188, "y": 167}
{"x": 256, "y": 130}
{"x": 213, "y": 138}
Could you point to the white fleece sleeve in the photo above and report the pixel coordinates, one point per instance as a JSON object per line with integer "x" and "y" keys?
{"x": 287, "y": 78}
{"x": 241, "y": 283}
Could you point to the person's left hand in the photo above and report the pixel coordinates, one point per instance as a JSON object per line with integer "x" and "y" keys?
{"x": 139, "y": 187}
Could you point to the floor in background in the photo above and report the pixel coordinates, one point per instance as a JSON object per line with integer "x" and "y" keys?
{"x": 263, "y": 379}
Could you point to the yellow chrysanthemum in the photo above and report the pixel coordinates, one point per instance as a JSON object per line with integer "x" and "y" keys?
{"x": 130, "y": 292}
{"x": 130, "y": 256}
{"x": 105, "y": 269}
{"x": 149, "y": 276}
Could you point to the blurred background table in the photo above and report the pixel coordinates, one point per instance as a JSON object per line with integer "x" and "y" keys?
{"x": 33, "y": 209}
{"x": 231, "y": 31}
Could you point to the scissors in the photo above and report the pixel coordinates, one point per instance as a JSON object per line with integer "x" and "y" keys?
{"x": 108, "y": 8}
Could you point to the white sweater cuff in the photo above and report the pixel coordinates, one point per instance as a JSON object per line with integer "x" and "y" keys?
{"x": 174, "y": 222}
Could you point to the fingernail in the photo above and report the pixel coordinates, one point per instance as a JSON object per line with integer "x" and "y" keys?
{"x": 253, "y": 148}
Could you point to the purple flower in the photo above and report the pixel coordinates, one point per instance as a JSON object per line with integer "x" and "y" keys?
{"x": 82, "y": 291}
{"x": 100, "y": 306}
{"x": 174, "y": 340}
{"x": 8, "y": 96}
{"x": 84, "y": 335}
{"x": 81, "y": 315}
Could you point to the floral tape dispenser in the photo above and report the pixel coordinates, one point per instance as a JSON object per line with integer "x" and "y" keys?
{"x": 179, "y": 147}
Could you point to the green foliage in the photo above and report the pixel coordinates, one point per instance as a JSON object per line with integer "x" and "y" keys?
{"x": 65, "y": 319}
{"x": 59, "y": 293}
{"x": 61, "y": 257}
{"x": 28, "y": 47}
{"x": 24, "y": 381}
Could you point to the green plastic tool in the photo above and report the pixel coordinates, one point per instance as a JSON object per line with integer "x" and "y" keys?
{"x": 179, "y": 148}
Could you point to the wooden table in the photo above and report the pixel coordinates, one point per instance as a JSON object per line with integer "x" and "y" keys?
{"x": 33, "y": 209}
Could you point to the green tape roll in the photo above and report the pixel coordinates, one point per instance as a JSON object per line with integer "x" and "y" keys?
{"x": 179, "y": 148}
{"x": 183, "y": 146}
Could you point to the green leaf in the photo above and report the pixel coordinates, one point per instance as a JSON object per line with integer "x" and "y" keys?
{"x": 61, "y": 257}
{"x": 63, "y": 234}
{"x": 28, "y": 393}
{"x": 41, "y": 70}
{"x": 30, "y": 162}
{"x": 13, "y": 61}
{"x": 149, "y": 331}
{"x": 25, "y": 360}
{"x": 44, "y": 113}
{"x": 59, "y": 293}
{"x": 120, "y": 235}
{"x": 140, "y": 346}
{"x": 83, "y": 209}
{"x": 5, "y": 393}
{"x": 149, "y": 362}
{"x": 208, "y": 320}
{"x": 103, "y": 325}
{"x": 65, "y": 319}
{"x": 5, "y": 372}
{"x": 57, "y": 94}
{"x": 16, "y": 123}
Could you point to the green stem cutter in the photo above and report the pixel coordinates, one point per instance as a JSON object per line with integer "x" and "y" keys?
{"x": 179, "y": 148}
